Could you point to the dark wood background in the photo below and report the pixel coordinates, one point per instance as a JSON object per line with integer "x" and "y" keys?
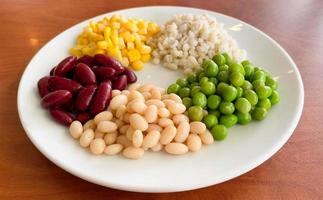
{"x": 295, "y": 172}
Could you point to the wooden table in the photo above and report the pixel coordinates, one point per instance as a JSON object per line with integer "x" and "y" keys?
{"x": 295, "y": 172}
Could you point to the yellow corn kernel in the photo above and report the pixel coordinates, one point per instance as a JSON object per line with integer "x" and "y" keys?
{"x": 124, "y": 52}
{"x": 76, "y": 52}
{"x": 122, "y": 45}
{"x": 152, "y": 28}
{"x": 145, "y": 49}
{"x": 93, "y": 26}
{"x": 99, "y": 51}
{"x": 145, "y": 57}
{"x": 82, "y": 41}
{"x": 100, "y": 27}
{"x": 109, "y": 42}
{"x": 102, "y": 44}
{"x": 107, "y": 32}
{"x": 131, "y": 26}
{"x": 125, "y": 61}
{"x": 137, "y": 65}
{"x": 87, "y": 50}
{"x": 115, "y": 39}
{"x": 115, "y": 52}
{"x": 130, "y": 45}
{"x": 142, "y": 27}
{"x": 133, "y": 55}
{"x": 116, "y": 25}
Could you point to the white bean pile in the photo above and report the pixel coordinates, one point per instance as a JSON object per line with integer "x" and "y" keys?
{"x": 139, "y": 119}
{"x": 186, "y": 39}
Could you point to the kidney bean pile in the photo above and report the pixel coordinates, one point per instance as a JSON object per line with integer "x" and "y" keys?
{"x": 80, "y": 88}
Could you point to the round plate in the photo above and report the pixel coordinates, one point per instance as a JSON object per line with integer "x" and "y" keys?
{"x": 245, "y": 147}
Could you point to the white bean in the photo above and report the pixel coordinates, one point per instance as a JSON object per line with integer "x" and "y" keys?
{"x": 134, "y": 86}
{"x": 110, "y": 138}
{"x": 163, "y": 112}
{"x": 168, "y": 134}
{"x": 145, "y": 88}
{"x": 206, "y": 137}
{"x": 103, "y": 116}
{"x": 87, "y": 137}
{"x": 151, "y": 113}
{"x": 197, "y": 127}
{"x": 138, "y": 122}
{"x": 130, "y": 132}
{"x": 123, "y": 129}
{"x": 76, "y": 129}
{"x": 175, "y": 97}
{"x": 154, "y": 127}
{"x": 115, "y": 92}
{"x": 151, "y": 139}
{"x": 176, "y": 148}
{"x": 147, "y": 95}
{"x": 89, "y": 125}
{"x": 125, "y": 92}
{"x": 183, "y": 131}
{"x": 155, "y": 93}
{"x": 118, "y": 101}
{"x": 138, "y": 107}
{"x": 107, "y": 126}
{"x": 164, "y": 122}
{"x": 121, "y": 110}
{"x": 155, "y": 102}
{"x": 133, "y": 152}
{"x": 97, "y": 146}
{"x": 176, "y": 108}
{"x": 113, "y": 149}
{"x": 179, "y": 118}
{"x": 194, "y": 142}
{"x": 98, "y": 134}
{"x": 157, "y": 147}
{"x": 137, "y": 138}
{"x": 134, "y": 94}
{"x": 122, "y": 139}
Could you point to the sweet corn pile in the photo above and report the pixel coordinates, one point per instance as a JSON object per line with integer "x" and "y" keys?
{"x": 125, "y": 39}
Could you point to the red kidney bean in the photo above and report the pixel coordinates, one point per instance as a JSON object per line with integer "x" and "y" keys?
{"x": 86, "y": 59}
{"x": 104, "y": 73}
{"x": 56, "y": 98}
{"x": 101, "y": 98}
{"x": 43, "y": 86}
{"x": 131, "y": 76}
{"x": 65, "y": 66}
{"x": 84, "y": 74}
{"x": 84, "y": 97}
{"x": 60, "y": 83}
{"x": 108, "y": 61}
{"x": 120, "y": 83}
{"x": 84, "y": 117}
{"x": 51, "y": 73}
{"x": 61, "y": 116}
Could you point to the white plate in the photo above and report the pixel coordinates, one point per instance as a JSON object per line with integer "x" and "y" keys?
{"x": 245, "y": 147}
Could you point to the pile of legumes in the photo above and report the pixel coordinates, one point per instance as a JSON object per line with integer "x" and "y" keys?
{"x": 186, "y": 39}
{"x": 125, "y": 39}
{"x": 138, "y": 119}
{"x": 81, "y": 88}
{"x": 229, "y": 92}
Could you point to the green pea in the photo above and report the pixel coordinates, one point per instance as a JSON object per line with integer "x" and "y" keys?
{"x": 236, "y": 79}
{"x": 246, "y": 85}
{"x": 210, "y": 121}
{"x": 206, "y": 62}
{"x": 194, "y": 84}
{"x": 213, "y": 80}
{"x": 259, "y": 114}
{"x": 195, "y": 89}
{"x": 263, "y": 92}
{"x": 223, "y": 76}
{"x": 228, "y": 120}
{"x": 239, "y": 92}
{"x": 236, "y": 67}
{"x": 271, "y": 83}
{"x": 195, "y": 113}
{"x": 199, "y": 99}
{"x": 258, "y": 83}
{"x": 213, "y": 101}
{"x": 246, "y": 62}
{"x": 274, "y": 97}
{"x": 184, "y": 92}
{"x": 220, "y": 87}
{"x": 182, "y": 82}
{"x": 257, "y": 69}
{"x": 224, "y": 68}
{"x": 219, "y": 132}
{"x": 229, "y": 93}
{"x": 173, "y": 88}
{"x": 259, "y": 75}
{"x": 208, "y": 88}
{"x": 187, "y": 102}
{"x": 251, "y": 96}
{"x": 214, "y": 112}
{"x": 228, "y": 59}
{"x": 219, "y": 59}
{"x": 249, "y": 69}
{"x": 264, "y": 103}
{"x": 203, "y": 80}
{"x": 226, "y": 107}
{"x": 212, "y": 69}
{"x": 242, "y": 105}
{"x": 201, "y": 75}
{"x": 243, "y": 118}
{"x": 192, "y": 78}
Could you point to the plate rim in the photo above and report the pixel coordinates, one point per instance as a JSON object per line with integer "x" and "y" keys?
{"x": 264, "y": 157}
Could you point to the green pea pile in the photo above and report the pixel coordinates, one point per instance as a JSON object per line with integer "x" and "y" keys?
{"x": 230, "y": 92}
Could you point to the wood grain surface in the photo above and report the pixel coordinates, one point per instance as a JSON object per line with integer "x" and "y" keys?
{"x": 295, "y": 172}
